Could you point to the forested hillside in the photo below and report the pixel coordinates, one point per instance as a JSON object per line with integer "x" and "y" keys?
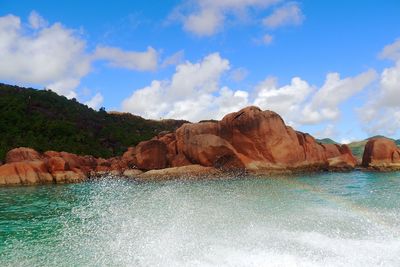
{"x": 43, "y": 120}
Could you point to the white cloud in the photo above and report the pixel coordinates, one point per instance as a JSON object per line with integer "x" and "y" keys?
{"x": 391, "y": 51}
{"x": 54, "y": 56}
{"x": 324, "y": 105}
{"x": 289, "y": 14}
{"x": 207, "y": 17}
{"x": 95, "y": 102}
{"x": 142, "y": 61}
{"x": 206, "y": 22}
{"x": 330, "y": 131}
{"x": 381, "y": 114}
{"x": 301, "y": 103}
{"x": 286, "y": 100}
{"x": 36, "y": 21}
{"x": 193, "y": 93}
{"x": 174, "y": 59}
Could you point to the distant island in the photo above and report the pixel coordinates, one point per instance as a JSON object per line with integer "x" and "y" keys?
{"x": 47, "y": 138}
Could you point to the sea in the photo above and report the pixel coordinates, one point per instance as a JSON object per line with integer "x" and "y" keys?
{"x": 321, "y": 219}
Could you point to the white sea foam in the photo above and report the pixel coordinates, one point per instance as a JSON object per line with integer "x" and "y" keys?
{"x": 219, "y": 223}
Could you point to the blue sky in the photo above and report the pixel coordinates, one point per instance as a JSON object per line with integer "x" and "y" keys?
{"x": 331, "y": 68}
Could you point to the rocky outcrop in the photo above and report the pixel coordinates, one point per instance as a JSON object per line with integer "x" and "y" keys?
{"x": 22, "y": 154}
{"x": 345, "y": 160}
{"x": 25, "y": 172}
{"x": 250, "y": 140}
{"x": 27, "y": 166}
{"x": 381, "y": 154}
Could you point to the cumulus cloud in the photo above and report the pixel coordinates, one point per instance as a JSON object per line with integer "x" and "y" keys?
{"x": 192, "y": 93}
{"x": 207, "y": 17}
{"x": 55, "y": 56}
{"x": 381, "y": 114}
{"x": 299, "y": 103}
{"x": 286, "y": 100}
{"x": 324, "y": 105}
{"x": 289, "y": 14}
{"x": 330, "y": 131}
{"x": 142, "y": 61}
{"x": 95, "y": 102}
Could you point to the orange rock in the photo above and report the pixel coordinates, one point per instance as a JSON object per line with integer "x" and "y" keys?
{"x": 22, "y": 154}
{"x": 84, "y": 163}
{"x": 26, "y": 172}
{"x": 129, "y": 157}
{"x": 151, "y": 155}
{"x": 56, "y": 164}
{"x": 381, "y": 153}
{"x": 73, "y": 176}
{"x": 211, "y": 151}
{"x": 251, "y": 139}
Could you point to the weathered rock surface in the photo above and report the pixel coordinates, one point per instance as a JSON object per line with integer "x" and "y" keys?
{"x": 253, "y": 140}
{"x": 249, "y": 140}
{"x": 27, "y": 166}
{"x": 26, "y": 172}
{"x": 22, "y": 154}
{"x": 381, "y": 154}
{"x": 151, "y": 155}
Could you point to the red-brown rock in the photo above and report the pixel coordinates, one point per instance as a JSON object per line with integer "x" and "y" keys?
{"x": 381, "y": 153}
{"x": 56, "y": 164}
{"x": 22, "y": 154}
{"x": 151, "y": 155}
{"x": 25, "y": 172}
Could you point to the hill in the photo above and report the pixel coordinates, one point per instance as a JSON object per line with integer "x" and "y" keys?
{"x": 43, "y": 120}
{"x": 327, "y": 141}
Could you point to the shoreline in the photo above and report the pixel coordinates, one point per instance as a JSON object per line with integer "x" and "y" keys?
{"x": 164, "y": 175}
{"x": 248, "y": 141}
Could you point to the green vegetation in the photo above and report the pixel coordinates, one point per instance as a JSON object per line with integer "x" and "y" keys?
{"x": 357, "y": 148}
{"x": 326, "y": 141}
{"x": 43, "y": 120}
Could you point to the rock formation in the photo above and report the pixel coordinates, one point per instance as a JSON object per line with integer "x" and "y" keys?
{"x": 250, "y": 140}
{"x": 381, "y": 154}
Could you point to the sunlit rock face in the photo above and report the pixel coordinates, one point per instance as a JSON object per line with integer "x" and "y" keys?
{"x": 381, "y": 154}
{"x": 252, "y": 139}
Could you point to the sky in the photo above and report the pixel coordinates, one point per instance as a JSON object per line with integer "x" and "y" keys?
{"x": 330, "y": 68}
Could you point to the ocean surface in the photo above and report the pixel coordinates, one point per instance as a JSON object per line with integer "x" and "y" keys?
{"x": 325, "y": 219}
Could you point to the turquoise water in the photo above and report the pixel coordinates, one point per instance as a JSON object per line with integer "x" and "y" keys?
{"x": 328, "y": 219}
